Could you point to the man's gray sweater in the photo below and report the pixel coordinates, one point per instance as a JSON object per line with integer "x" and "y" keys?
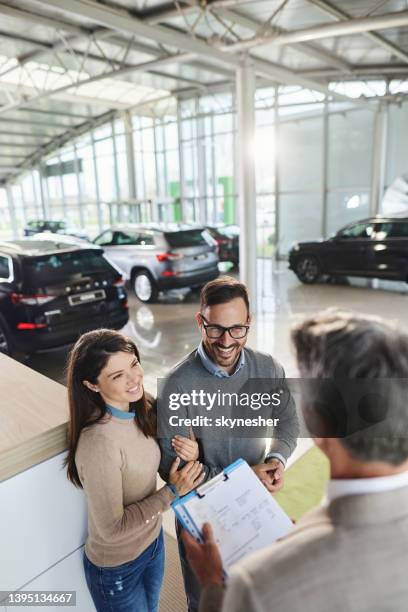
{"x": 259, "y": 369}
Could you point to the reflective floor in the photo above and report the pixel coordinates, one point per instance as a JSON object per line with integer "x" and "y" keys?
{"x": 166, "y": 331}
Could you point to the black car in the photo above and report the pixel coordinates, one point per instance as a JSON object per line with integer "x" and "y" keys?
{"x": 375, "y": 247}
{"x": 36, "y": 226}
{"x": 51, "y": 292}
{"x": 227, "y": 239}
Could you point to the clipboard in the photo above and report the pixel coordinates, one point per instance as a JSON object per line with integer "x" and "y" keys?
{"x": 243, "y": 514}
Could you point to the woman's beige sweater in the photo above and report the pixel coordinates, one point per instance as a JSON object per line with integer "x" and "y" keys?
{"x": 118, "y": 466}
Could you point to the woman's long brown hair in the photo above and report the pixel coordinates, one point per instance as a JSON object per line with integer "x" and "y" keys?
{"x": 86, "y": 360}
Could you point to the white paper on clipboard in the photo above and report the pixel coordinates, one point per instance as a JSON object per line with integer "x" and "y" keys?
{"x": 243, "y": 514}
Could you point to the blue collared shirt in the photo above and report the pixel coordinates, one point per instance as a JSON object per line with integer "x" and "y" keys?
{"x": 213, "y": 368}
{"x": 120, "y": 414}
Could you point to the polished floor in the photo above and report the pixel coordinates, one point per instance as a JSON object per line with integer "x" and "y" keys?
{"x": 166, "y": 331}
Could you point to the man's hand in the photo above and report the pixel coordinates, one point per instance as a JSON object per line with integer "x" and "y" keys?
{"x": 205, "y": 559}
{"x": 271, "y": 474}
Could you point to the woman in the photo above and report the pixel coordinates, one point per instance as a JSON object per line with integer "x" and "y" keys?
{"x": 114, "y": 457}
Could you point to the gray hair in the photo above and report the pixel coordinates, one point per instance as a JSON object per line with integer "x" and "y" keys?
{"x": 369, "y": 357}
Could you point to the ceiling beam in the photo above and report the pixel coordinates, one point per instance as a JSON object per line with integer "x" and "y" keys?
{"x": 35, "y": 135}
{"x": 54, "y": 112}
{"x": 16, "y": 145}
{"x": 105, "y": 75}
{"x": 124, "y": 22}
{"x": 379, "y": 70}
{"x": 44, "y": 124}
{"x": 329, "y": 9}
{"x": 306, "y": 48}
{"x": 356, "y": 25}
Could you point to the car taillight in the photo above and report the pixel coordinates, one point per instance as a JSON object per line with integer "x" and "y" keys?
{"x": 119, "y": 283}
{"x": 31, "y": 325}
{"x": 31, "y": 300}
{"x": 168, "y": 256}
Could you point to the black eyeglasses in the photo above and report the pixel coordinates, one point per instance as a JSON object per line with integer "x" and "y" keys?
{"x": 217, "y": 331}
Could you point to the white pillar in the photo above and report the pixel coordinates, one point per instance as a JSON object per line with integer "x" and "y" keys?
{"x": 130, "y": 154}
{"x": 12, "y": 212}
{"x": 378, "y": 162}
{"x": 245, "y": 85}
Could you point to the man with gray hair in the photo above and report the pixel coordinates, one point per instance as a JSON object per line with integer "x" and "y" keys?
{"x": 350, "y": 554}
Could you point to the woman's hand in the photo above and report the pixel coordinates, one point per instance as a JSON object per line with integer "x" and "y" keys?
{"x": 186, "y": 479}
{"x": 185, "y": 448}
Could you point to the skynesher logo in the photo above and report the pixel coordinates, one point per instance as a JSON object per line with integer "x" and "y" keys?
{"x": 207, "y": 401}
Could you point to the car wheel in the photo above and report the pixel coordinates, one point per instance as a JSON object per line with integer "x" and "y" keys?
{"x": 307, "y": 269}
{"x": 5, "y": 344}
{"x": 144, "y": 287}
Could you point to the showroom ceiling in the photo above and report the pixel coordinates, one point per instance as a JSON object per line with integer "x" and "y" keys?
{"x": 68, "y": 65}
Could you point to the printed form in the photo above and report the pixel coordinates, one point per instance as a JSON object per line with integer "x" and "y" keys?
{"x": 243, "y": 514}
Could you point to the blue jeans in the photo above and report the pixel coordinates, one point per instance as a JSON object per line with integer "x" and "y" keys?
{"x": 130, "y": 587}
{"x": 191, "y": 584}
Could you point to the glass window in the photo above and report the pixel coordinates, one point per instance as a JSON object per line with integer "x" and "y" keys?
{"x": 346, "y": 206}
{"x": 350, "y": 149}
{"x": 359, "y": 230}
{"x": 105, "y": 239}
{"x": 61, "y": 266}
{"x": 133, "y": 238}
{"x": 4, "y": 267}
{"x": 187, "y": 238}
{"x": 391, "y": 230}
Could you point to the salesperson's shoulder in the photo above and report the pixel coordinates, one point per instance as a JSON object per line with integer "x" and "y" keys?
{"x": 265, "y": 361}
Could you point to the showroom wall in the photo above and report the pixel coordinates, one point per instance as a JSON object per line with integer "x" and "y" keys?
{"x": 313, "y": 160}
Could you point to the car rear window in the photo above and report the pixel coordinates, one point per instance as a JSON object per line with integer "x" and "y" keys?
{"x": 187, "y": 238}
{"x": 63, "y": 266}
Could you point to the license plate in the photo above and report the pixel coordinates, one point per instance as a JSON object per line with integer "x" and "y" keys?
{"x": 85, "y": 298}
{"x": 203, "y": 256}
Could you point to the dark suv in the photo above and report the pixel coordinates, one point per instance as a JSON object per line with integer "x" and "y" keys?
{"x": 375, "y": 247}
{"x": 156, "y": 258}
{"x": 51, "y": 292}
{"x": 227, "y": 239}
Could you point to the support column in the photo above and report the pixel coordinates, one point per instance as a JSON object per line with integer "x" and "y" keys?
{"x": 179, "y": 213}
{"x": 201, "y": 167}
{"x": 276, "y": 171}
{"x": 12, "y": 212}
{"x": 97, "y": 190}
{"x": 79, "y": 188}
{"x": 246, "y": 177}
{"x": 325, "y": 166}
{"x": 130, "y": 154}
{"x": 378, "y": 163}
{"x": 41, "y": 188}
{"x": 245, "y": 85}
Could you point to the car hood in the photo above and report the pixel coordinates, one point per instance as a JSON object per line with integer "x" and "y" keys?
{"x": 307, "y": 244}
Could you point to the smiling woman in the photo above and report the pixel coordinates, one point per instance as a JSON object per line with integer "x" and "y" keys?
{"x": 113, "y": 455}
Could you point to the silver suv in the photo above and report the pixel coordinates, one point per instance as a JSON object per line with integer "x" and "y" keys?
{"x": 156, "y": 258}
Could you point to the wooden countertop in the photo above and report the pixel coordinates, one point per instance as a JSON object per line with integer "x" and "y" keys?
{"x": 33, "y": 417}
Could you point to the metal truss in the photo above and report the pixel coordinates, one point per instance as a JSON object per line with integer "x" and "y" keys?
{"x": 76, "y": 56}
{"x": 340, "y": 14}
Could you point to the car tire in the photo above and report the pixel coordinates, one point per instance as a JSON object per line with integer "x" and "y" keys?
{"x": 307, "y": 269}
{"x": 144, "y": 287}
{"x": 5, "y": 341}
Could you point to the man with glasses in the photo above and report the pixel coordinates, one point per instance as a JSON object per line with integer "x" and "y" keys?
{"x": 222, "y": 363}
